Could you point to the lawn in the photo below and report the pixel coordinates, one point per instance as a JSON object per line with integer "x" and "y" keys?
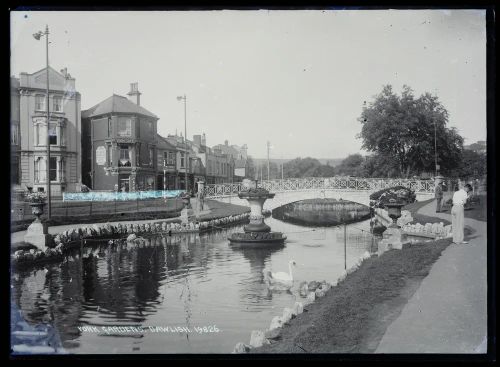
{"x": 353, "y": 317}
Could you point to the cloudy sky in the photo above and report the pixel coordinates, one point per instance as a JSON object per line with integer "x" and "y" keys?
{"x": 295, "y": 78}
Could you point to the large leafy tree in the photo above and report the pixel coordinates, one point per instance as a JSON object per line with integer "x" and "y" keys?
{"x": 403, "y": 126}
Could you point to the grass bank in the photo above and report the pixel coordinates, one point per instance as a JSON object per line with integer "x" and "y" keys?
{"x": 353, "y": 316}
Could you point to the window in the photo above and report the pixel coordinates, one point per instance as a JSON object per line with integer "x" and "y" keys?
{"x": 109, "y": 157}
{"x": 57, "y": 104}
{"x": 41, "y": 134}
{"x": 40, "y": 102}
{"x": 14, "y": 137}
{"x": 150, "y": 128}
{"x": 138, "y": 154}
{"x": 182, "y": 160}
{"x": 110, "y": 127}
{"x": 165, "y": 158}
{"x": 151, "y": 152}
{"x": 124, "y": 156}
{"x": 52, "y": 134}
{"x": 53, "y": 169}
{"x": 40, "y": 169}
{"x": 124, "y": 127}
{"x": 171, "y": 158}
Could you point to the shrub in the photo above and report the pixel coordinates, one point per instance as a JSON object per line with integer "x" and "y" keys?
{"x": 398, "y": 193}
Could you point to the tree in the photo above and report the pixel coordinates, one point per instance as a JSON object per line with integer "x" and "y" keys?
{"x": 379, "y": 165}
{"x": 352, "y": 165}
{"x": 472, "y": 164}
{"x": 403, "y": 127}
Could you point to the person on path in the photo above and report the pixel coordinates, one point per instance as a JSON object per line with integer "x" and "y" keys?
{"x": 438, "y": 194}
{"x": 457, "y": 213}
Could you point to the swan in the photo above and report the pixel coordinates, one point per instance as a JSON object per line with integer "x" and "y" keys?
{"x": 281, "y": 279}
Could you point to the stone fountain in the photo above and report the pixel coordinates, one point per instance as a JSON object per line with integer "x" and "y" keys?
{"x": 257, "y": 231}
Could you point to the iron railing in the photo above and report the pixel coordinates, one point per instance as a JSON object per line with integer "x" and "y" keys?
{"x": 322, "y": 183}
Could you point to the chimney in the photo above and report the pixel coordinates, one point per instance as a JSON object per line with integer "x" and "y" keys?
{"x": 203, "y": 140}
{"x": 134, "y": 95}
{"x": 197, "y": 140}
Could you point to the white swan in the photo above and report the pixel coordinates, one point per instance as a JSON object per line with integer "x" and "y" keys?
{"x": 281, "y": 279}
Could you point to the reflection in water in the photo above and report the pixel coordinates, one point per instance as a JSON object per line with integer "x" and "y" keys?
{"x": 182, "y": 280}
{"x": 321, "y": 212}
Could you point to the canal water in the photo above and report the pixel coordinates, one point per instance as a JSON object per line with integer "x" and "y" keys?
{"x": 183, "y": 294}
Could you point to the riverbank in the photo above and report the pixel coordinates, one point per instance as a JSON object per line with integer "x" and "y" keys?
{"x": 353, "y": 316}
{"x": 367, "y": 312}
{"x": 219, "y": 214}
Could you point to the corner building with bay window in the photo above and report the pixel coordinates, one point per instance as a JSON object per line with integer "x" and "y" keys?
{"x": 119, "y": 144}
{"x": 29, "y": 132}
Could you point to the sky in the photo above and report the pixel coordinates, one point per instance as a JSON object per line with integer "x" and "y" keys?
{"x": 295, "y": 78}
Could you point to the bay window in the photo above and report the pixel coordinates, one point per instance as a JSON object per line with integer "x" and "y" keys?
{"x": 124, "y": 127}
{"x": 124, "y": 156}
{"x": 52, "y": 134}
{"x": 53, "y": 169}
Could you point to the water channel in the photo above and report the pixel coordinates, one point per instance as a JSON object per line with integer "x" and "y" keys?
{"x": 187, "y": 281}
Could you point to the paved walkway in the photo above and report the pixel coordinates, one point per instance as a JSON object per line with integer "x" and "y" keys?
{"x": 19, "y": 236}
{"x": 448, "y": 312}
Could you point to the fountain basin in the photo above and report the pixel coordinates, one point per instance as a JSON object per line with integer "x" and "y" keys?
{"x": 257, "y": 237}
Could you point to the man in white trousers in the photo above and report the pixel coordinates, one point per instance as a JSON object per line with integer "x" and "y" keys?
{"x": 457, "y": 213}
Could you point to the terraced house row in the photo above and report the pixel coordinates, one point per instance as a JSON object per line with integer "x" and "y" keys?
{"x": 113, "y": 145}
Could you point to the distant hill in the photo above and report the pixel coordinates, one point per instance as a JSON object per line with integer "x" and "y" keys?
{"x": 331, "y": 161}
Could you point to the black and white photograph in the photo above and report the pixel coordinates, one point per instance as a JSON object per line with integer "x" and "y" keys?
{"x": 249, "y": 182}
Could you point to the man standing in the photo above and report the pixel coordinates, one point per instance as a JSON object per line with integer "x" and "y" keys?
{"x": 457, "y": 213}
{"x": 438, "y": 193}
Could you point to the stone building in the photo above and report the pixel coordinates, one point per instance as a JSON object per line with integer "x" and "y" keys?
{"x": 240, "y": 158}
{"x": 29, "y": 132}
{"x": 192, "y": 163}
{"x": 120, "y": 144}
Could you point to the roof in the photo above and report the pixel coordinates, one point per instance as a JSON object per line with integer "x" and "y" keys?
{"x": 163, "y": 143}
{"x": 116, "y": 104}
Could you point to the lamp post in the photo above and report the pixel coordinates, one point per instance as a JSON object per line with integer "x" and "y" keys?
{"x": 268, "y": 147}
{"x": 186, "y": 158}
{"x": 37, "y": 36}
{"x": 164, "y": 174}
{"x": 435, "y": 149}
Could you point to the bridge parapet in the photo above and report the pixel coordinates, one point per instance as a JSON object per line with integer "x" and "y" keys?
{"x": 343, "y": 184}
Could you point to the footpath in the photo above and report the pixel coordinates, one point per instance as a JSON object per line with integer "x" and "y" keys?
{"x": 448, "y": 312}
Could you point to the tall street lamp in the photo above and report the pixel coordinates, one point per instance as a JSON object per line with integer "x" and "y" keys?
{"x": 186, "y": 158}
{"x": 435, "y": 149}
{"x": 37, "y": 36}
{"x": 164, "y": 174}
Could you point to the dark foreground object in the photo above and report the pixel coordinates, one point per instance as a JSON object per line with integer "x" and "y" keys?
{"x": 353, "y": 316}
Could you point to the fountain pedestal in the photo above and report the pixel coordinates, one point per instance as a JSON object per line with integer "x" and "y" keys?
{"x": 257, "y": 231}
{"x": 393, "y": 236}
{"x": 37, "y": 233}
